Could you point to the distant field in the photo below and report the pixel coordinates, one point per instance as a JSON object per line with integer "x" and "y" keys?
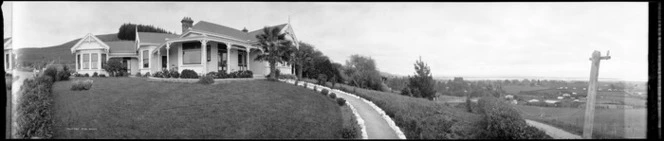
{"x": 627, "y": 123}
{"x": 515, "y": 89}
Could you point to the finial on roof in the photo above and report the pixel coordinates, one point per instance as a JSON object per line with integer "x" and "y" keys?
{"x": 245, "y": 29}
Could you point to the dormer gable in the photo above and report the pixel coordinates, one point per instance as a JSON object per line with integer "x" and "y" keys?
{"x": 89, "y": 41}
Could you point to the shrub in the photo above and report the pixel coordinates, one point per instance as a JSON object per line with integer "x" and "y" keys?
{"x": 52, "y": 71}
{"x": 187, "y": 73}
{"x": 86, "y": 75}
{"x": 333, "y": 96}
{"x": 322, "y": 78}
{"x": 80, "y": 85}
{"x": 138, "y": 74}
{"x": 35, "y": 108}
{"x": 207, "y": 80}
{"x": 287, "y": 76}
{"x": 157, "y": 74}
{"x": 78, "y": 75}
{"x": 277, "y": 73}
{"x": 221, "y": 74}
{"x": 315, "y": 88}
{"x": 95, "y": 74}
{"x": 114, "y": 67}
{"x": 324, "y": 91}
{"x": 341, "y": 101}
{"x": 147, "y": 74}
{"x": 174, "y": 74}
{"x": 501, "y": 121}
{"x": 212, "y": 74}
{"x": 305, "y": 84}
{"x": 102, "y": 75}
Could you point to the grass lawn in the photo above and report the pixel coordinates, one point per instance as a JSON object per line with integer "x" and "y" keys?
{"x": 609, "y": 123}
{"x": 136, "y": 108}
{"x": 419, "y": 118}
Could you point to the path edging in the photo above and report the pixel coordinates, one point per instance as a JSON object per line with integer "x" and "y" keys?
{"x": 380, "y": 111}
{"x": 360, "y": 121}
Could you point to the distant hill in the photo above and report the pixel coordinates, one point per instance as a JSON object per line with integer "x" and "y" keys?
{"x": 59, "y": 52}
{"x": 389, "y": 75}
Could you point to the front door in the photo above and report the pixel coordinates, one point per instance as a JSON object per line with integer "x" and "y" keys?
{"x": 221, "y": 60}
{"x": 163, "y": 62}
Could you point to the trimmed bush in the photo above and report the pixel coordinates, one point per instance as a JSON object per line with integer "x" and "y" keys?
{"x": 95, "y": 74}
{"x": 324, "y": 91}
{"x": 102, "y": 75}
{"x": 138, "y": 74}
{"x": 80, "y": 85}
{"x": 157, "y": 74}
{"x": 207, "y": 80}
{"x": 35, "y": 108}
{"x": 174, "y": 74}
{"x": 287, "y": 76}
{"x": 52, "y": 71}
{"x": 333, "y": 96}
{"x": 86, "y": 75}
{"x": 187, "y": 73}
{"x": 315, "y": 88}
{"x": 147, "y": 74}
{"x": 341, "y": 101}
{"x": 221, "y": 74}
{"x": 212, "y": 74}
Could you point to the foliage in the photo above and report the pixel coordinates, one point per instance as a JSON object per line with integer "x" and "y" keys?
{"x": 187, "y": 73}
{"x": 322, "y": 79}
{"x": 341, "y": 101}
{"x": 207, "y": 80}
{"x": 138, "y": 74}
{"x": 95, "y": 74}
{"x": 158, "y": 74}
{"x": 333, "y": 96}
{"x": 422, "y": 83}
{"x": 147, "y": 74}
{"x": 276, "y": 47}
{"x": 59, "y": 72}
{"x": 502, "y": 121}
{"x": 301, "y": 56}
{"x": 86, "y": 75}
{"x": 128, "y": 30}
{"x": 324, "y": 91}
{"x": 114, "y": 66}
{"x": 102, "y": 75}
{"x": 362, "y": 72}
{"x": 80, "y": 85}
{"x": 35, "y": 108}
{"x": 287, "y": 76}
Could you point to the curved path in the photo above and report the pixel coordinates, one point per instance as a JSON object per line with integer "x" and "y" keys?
{"x": 552, "y": 131}
{"x": 376, "y": 126}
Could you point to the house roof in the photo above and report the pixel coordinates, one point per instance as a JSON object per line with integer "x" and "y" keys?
{"x": 231, "y": 32}
{"x": 157, "y": 38}
{"x": 121, "y": 46}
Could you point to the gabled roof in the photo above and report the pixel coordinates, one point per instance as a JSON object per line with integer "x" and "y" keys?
{"x": 260, "y": 31}
{"x": 121, "y": 46}
{"x": 231, "y": 32}
{"x": 155, "y": 38}
{"x": 89, "y": 36}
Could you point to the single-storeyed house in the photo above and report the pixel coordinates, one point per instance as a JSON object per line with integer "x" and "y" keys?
{"x": 10, "y": 56}
{"x": 203, "y": 47}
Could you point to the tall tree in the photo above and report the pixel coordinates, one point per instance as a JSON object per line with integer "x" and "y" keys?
{"x": 302, "y": 56}
{"x": 422, "y": 83}
{"x": 362, "y": 72}
{"x": 276, "y": 48}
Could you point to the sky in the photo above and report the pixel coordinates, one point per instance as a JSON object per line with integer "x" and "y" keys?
{"x": 506, "y": 39}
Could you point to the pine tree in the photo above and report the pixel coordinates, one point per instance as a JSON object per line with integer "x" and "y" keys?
{"x": 422, "y": 83}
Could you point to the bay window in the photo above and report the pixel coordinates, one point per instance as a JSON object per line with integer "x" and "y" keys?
{"x": 86, "y": 61}
{"x": 146, "y": 59}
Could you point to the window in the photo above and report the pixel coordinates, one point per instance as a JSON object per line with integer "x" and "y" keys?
{"x": 7, "y": 61}
{"x": 207, "y": 50}
{"x": 240, "y": 58}
{"x": 95, "y": 60}
{"x": 146, "y": 59}
{"x": 86, "y": 61}
{"x": 103, "y": 60}
{"x": 191, "y": 53}
{"x": 78, "y": 61}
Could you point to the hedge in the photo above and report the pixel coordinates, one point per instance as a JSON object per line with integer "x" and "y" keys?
{"x": 35, "y": 115}
{"x": 502, "y": 121}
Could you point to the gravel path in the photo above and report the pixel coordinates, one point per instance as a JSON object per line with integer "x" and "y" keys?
{"x": 377, "y": 127}
{"x": 552, "y": 131}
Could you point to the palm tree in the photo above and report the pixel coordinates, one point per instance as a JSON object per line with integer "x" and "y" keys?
{"x": 275, "y": 47}
{"x": 301, "y": 56}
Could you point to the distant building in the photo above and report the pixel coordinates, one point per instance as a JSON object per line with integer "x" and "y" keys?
{"x": 551, "y": 101}
{"x": 533, "y": 100}
{"x": 509, "y": 96}
{"x": 560, "y": 97}
{"x": 566, "y": 95}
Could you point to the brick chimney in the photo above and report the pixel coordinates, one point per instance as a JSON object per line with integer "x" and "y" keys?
{"x": 186, "y": 24}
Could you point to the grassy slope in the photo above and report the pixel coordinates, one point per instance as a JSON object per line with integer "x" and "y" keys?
{"x": 421, "y": 118}
{"x": 58, "y": 52}
{"x": 136, "y": 108}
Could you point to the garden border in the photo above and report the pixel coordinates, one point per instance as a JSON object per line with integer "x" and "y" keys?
{"x": 389, "y": 120}
{"x": 194, "y": 80}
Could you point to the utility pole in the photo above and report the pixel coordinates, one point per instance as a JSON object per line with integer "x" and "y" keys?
{"x": 592, "y": 92}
